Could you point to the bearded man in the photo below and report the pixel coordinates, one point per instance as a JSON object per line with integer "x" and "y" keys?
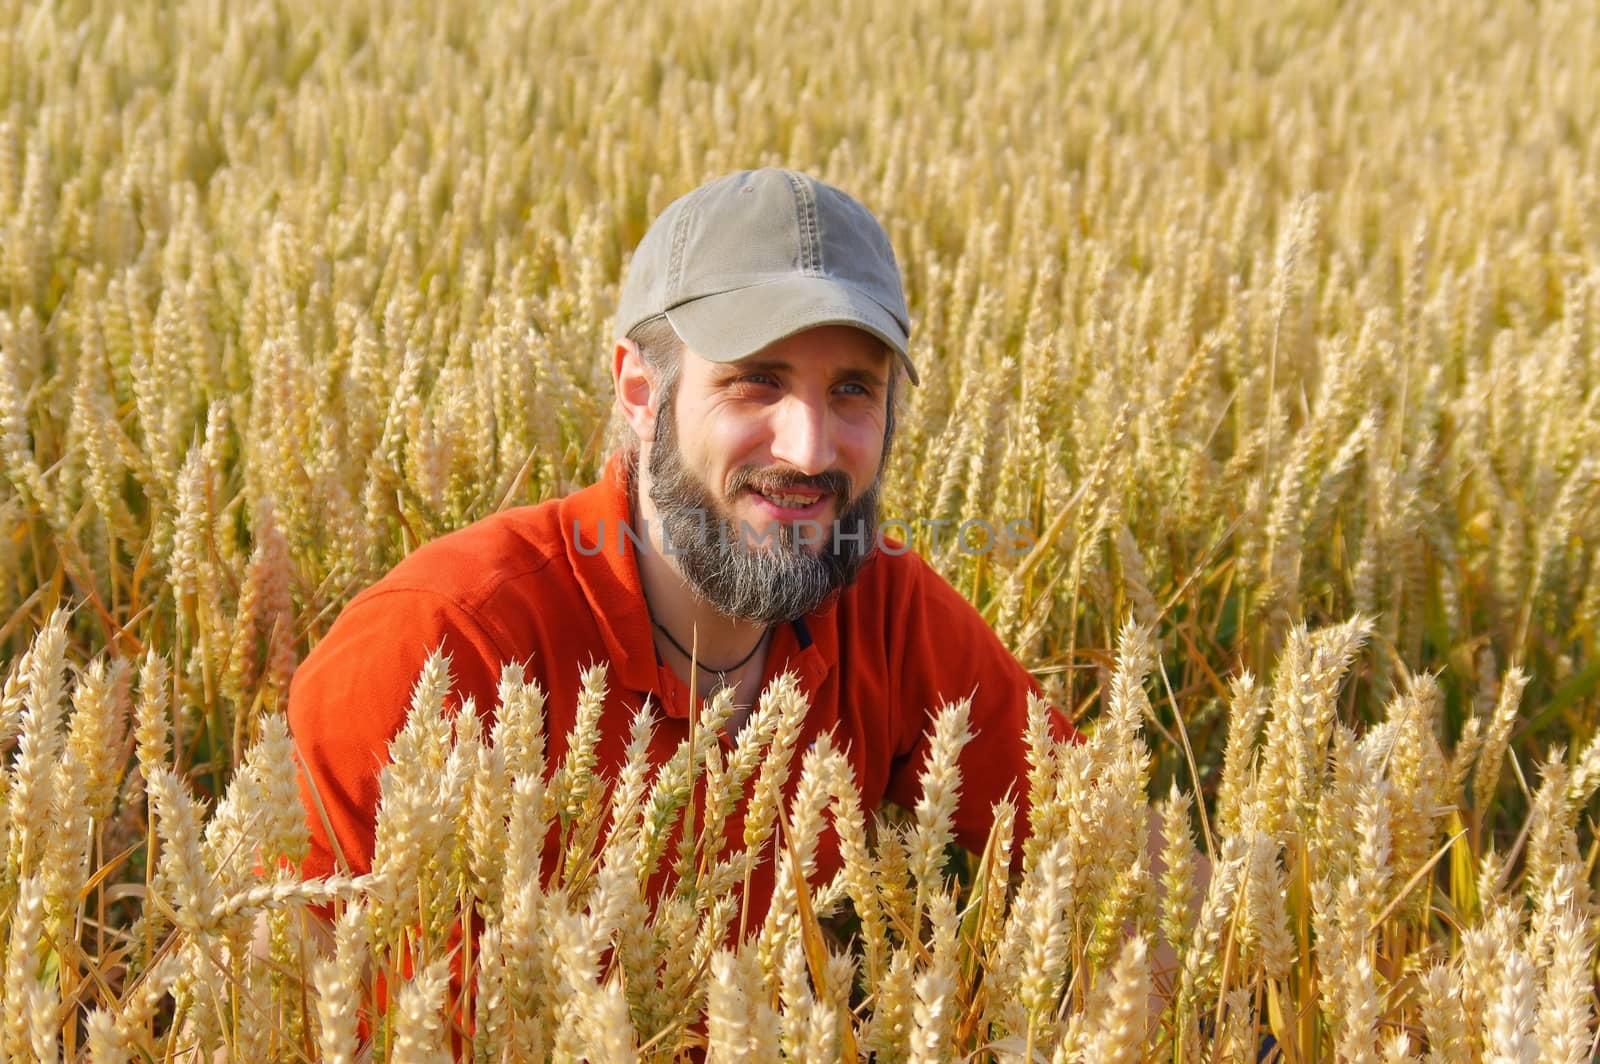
{"x": 762, "y": 335}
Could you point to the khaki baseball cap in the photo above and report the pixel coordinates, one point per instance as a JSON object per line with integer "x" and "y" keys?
{"x": 751, "y": 258}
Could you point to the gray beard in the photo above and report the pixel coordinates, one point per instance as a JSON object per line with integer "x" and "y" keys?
{"x": 781, "y": 582}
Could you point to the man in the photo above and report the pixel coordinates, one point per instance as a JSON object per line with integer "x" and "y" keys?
{"x": 762, "y": 335}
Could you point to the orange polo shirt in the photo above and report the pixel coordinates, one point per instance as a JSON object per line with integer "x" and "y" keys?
{"x": 876, "y": 663}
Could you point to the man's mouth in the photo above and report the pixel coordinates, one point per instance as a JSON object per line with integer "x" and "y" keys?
{"x": 791, "y": 503}
{"x": 794, "y": 500}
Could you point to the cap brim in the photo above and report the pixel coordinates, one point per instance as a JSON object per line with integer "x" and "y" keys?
{"x": 729, "y": 326}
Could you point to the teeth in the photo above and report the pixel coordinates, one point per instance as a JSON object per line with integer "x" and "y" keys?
{"x": 794, "y": 502}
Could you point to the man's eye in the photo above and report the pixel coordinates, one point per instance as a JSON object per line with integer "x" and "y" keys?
{"x": 755, "y": 378}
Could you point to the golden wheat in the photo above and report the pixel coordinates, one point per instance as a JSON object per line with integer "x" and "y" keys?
{"x": 1277, "y": 325}
{"x": 1309, "y": 930}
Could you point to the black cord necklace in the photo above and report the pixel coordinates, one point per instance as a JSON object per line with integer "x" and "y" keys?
{"x": 720, "y": 674}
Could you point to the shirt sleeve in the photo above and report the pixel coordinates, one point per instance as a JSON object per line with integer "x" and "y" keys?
{"x": 949, "y": 652}
{"x": 349, "y": 698}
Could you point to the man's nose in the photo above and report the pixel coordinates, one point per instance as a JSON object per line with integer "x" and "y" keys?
{"x": 803, "y": 436}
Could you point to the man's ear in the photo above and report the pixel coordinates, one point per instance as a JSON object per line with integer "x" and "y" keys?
{"x": 636, "y": 395}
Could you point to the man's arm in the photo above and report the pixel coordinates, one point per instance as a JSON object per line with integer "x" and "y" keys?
{"x": 350, "y": 697}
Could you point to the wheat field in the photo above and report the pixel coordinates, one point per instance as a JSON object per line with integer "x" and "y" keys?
{"x": 1278, "y": 322}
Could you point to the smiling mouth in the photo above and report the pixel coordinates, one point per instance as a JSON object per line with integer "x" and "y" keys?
{"x": 791, "y": 505}
{"x": 796, "y": 498}
{"x": 790, "y": 500}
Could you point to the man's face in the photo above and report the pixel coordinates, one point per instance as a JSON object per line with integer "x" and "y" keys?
{"x": 765, "y": 471}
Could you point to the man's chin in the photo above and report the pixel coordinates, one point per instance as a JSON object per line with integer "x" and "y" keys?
{"x": 762, "y": 533}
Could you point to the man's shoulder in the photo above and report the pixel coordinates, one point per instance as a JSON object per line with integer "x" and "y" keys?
{"x": 490, "y": 550}
{"x": 473, "y": 566}
{"x": 892, "y": 580}
{"x": 897, "y": 565}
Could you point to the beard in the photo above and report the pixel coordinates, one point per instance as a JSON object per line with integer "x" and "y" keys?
{"x": 786, "y": 579}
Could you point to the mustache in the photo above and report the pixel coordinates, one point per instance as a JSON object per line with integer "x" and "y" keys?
{"x": 831, "y": 483}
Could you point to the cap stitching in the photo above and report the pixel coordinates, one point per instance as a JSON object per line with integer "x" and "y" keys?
{"x": 841, "y": 313}
{"x": 806, "y": 210}
{"x": 684, "y": 300}
{"x": 680, "y": 239}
